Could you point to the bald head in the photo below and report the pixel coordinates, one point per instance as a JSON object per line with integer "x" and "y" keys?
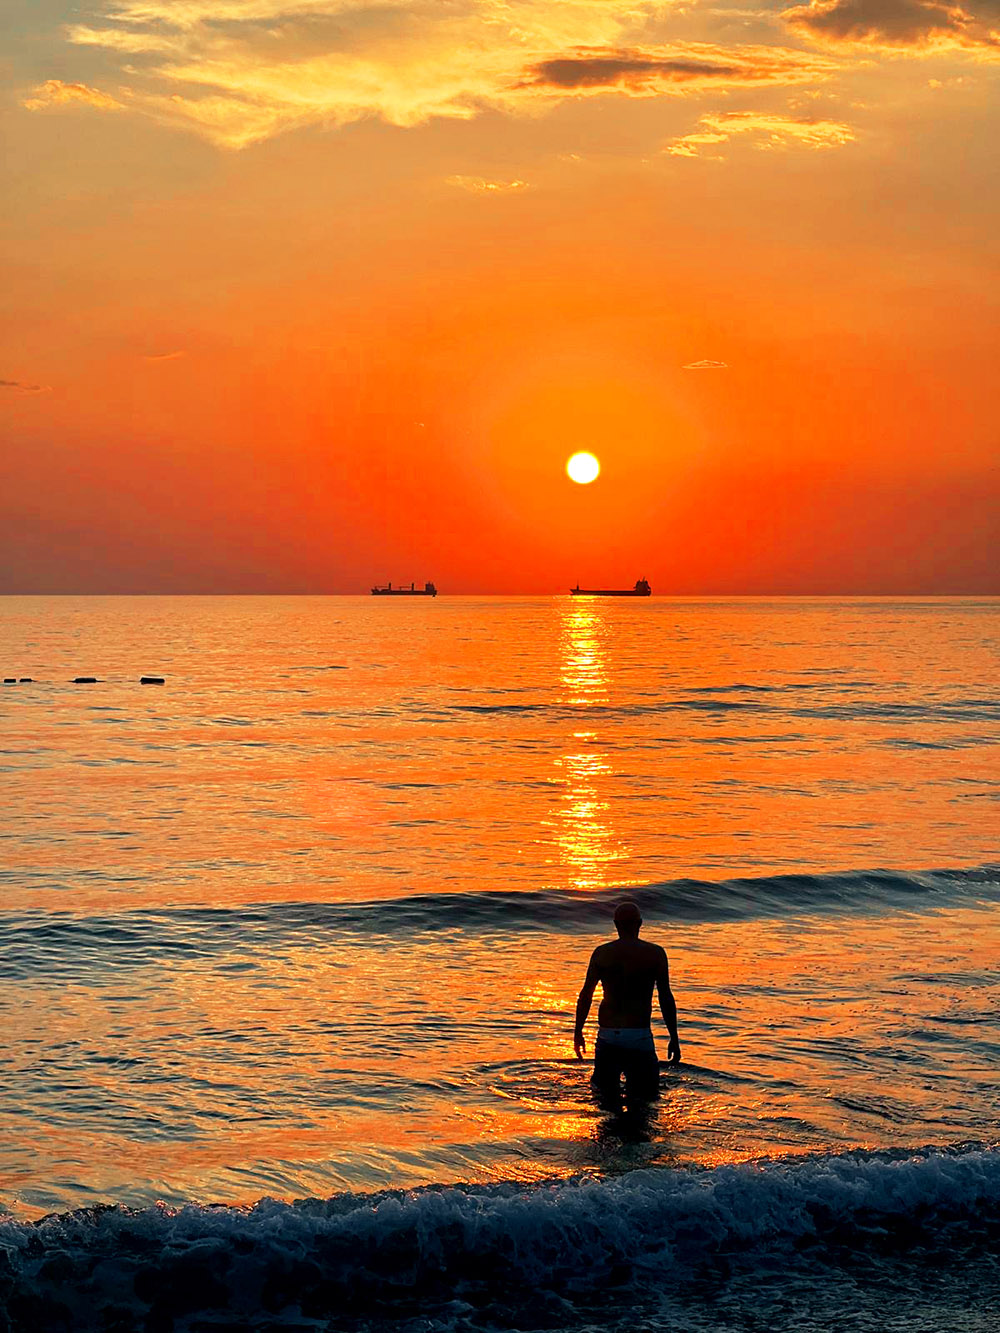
{"x": 628, "y": 919}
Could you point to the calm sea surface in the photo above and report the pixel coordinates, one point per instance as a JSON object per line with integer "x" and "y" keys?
{"x": 309, "y": 919}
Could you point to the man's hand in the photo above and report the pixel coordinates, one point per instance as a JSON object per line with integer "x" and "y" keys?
{"x": 579, "y": 1045}
{"x": 674, "y": 1051}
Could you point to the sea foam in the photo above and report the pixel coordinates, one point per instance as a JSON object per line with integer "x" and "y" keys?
{"x": 511, "y": 1247}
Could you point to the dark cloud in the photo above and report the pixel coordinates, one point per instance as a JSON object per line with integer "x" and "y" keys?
{"x": 898, "y": 23}
{"x": 605, "y": 71}
{"x": 18, "y": 386}
{"x": 644, "y": 71}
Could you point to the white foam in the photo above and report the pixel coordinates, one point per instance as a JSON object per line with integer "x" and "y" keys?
{"x": 367, "y": 1252}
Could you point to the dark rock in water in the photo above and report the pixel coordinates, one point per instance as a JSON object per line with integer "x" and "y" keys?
{"x": 10, "y": 680}
{"x": 26, "y": 680}
{"x": 84, "y": 680}
{"x": 151, "y": 680}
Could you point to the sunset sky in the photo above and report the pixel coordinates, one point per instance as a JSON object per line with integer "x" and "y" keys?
{"x": 303, "y": 294}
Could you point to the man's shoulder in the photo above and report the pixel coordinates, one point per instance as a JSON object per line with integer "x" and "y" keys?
{"x": 610, "y": 948}
{"x": 655, "y": 951}
{"x": 657, "y": 948}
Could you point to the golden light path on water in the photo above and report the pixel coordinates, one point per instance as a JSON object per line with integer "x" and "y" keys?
{"x": 585, "y": 835}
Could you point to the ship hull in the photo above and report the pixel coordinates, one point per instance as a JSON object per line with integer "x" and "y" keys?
{"x": 402, "y": 592}
{"x": 607, "y": 592}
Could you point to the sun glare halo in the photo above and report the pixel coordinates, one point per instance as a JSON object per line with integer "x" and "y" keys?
{"x": 583, "y": 468}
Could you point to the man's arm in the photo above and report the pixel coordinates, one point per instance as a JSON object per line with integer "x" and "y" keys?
{"x": 668, "y": 1009}
{"x": 583, "y": 1005}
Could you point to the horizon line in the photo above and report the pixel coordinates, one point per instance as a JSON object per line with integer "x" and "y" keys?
{"x": 672, "y": 596}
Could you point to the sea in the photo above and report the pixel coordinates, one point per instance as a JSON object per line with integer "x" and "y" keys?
{"x": 290, "y": 946}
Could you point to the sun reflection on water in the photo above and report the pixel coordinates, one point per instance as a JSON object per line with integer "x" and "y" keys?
{"x": 584, "y": 830}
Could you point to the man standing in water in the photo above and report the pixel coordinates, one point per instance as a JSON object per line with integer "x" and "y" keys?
{"x": 627, "y": 968}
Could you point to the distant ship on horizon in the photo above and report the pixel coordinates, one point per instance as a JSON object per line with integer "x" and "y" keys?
{"x": 387, "y": 590}
{"x": 641, "y": 589}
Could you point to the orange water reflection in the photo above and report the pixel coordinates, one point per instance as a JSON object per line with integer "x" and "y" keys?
{"x": 318, "y": 758}
{"x": 588, "y": 842}
{"x": 308, "y": 749}
{"x": 344, "y": 1065}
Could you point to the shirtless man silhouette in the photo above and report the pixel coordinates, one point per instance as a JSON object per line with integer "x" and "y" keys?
{"x": 627, "y": 968}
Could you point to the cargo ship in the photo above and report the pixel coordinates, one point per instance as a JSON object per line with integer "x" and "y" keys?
{"x": 387, "y": 590}
{"x": 641, "y": 589}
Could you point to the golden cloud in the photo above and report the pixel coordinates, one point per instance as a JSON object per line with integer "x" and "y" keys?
{"x": 239, "y": 71}
{"x": 480, "y": 185}
{"x": 56, "y": 93}
{"x": 768, "y": 130}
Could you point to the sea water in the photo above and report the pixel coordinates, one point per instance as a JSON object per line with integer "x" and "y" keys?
{"x": 291, "y": 947}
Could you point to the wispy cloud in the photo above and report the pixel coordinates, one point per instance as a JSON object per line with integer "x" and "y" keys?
{"x": 164, "y": 356}
{"x": 19, "y": 387}
{"x": 240, "y": 71}
{"x": 54, "y": 92}
{"x": 480, "y": 185}
{"x": 652, "y": 71}
{"x": 707, "y": 365}
{"x": 767, "y": 130}
{"x": 920, "y": 26}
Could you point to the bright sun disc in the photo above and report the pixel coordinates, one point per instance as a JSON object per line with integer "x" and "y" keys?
{"x": 583, "y": 468}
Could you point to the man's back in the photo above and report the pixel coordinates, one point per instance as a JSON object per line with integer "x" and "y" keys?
{"x": 628, "y": 970}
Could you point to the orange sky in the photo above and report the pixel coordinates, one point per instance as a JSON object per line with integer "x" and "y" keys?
{"x": 302, "y": 294}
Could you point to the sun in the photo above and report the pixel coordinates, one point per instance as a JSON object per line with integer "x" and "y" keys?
{"x": 583, "y": 468}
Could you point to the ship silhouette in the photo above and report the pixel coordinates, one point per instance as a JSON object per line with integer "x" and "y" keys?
{"x": 387, "y": 590}
{"x": 641, "y": 589}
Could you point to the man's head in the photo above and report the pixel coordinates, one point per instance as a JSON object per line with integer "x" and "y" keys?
{"x": 628, "y": 919}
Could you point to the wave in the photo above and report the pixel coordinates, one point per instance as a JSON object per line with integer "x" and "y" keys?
{"x": 60, "y": 940}
{"x": 512, "y": 1249}
{"x": 761, "y": 699}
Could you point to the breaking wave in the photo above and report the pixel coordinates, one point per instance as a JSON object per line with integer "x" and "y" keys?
{"x": 508, "y": 1252}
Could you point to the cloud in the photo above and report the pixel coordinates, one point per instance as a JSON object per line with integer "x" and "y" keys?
{"x": 706, "y": 365}
{"x": 479, "y": 185}
{"x": 19, "y": 387}
{"x": 239, "y": 71}
{"x": 164, "y": 356}
{"x": 919, "y": 25}
{"x": 56, "y": 93}
{"x": 769, "y": 131}
{"x": 651, "y": 71}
